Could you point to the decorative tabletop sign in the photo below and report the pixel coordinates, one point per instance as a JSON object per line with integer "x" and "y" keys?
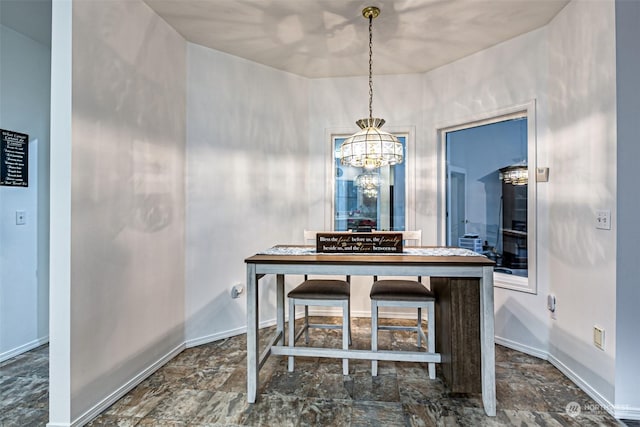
{"x": 359, "y": 242}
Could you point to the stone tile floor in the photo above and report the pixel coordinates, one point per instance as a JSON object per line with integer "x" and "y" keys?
{"x": 206, "y": 386}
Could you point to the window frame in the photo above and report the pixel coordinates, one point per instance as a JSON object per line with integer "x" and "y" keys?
{"x": 528, "y": 110}
{"x": 330, "y": 172}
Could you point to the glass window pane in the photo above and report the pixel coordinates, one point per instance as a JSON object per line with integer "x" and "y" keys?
{"x": 369, "y": 200}
{"x": 487, "y": 176}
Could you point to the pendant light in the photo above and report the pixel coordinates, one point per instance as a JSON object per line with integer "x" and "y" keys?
{"x": 515, "y": 174}
{"x": 371, "y": 148}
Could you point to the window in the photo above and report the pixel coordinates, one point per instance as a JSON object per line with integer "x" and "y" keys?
{"x": 489, "y": 204}
{"x": 369, "y": 200}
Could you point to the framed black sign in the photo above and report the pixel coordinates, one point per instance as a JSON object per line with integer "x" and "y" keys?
{"x": 359, "y": 242}
{"x": 14, "y": 158}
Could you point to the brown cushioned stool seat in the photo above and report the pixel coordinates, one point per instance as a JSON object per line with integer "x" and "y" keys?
{"x": 400, "y": 290}
{"x": 321, "y": 289}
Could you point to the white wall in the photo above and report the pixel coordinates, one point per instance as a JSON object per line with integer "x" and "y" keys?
{"x": 257, "y": 144}
{"x": 627, "y": 390}
{"x": 246, "y": 182}
{"x": 581, "y": 259}
{"x": 24, "y": 107}
{"x": 510, "y": 74}
{"x": 334, "y": 106}
{"x": 126, "y": 195}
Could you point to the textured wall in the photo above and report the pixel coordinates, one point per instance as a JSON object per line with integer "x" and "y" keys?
{"x": 582, "y": 121}
{"x": 127, "y": 195}
{"x": 628, "y": 204}
{"x": 24, "y": 284}
{"x": 246, "y": 181}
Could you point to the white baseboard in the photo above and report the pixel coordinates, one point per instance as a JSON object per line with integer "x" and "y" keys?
{"x": 225, "y": 334}
{"x": 591, "y": 392}
{"x": 576, "y": 379}
{"x": 627, "y": 413}
{"x": 531, "y": 351}
{"x": 124, "y": 389}
{"x": 23, "y": 348}
{"x": 616, "y": 412}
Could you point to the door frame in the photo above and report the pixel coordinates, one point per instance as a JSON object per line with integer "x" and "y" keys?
{"x": 528, "y": 110}
{"x": 455, "y": 169}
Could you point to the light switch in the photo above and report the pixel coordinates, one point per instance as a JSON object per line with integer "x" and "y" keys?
{"x": 603, "y": 219}
{"x": 21, "y": 217}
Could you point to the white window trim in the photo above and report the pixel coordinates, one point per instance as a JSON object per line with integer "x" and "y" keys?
{"x": 410, "y": 170}
{"x": 523, "y": 284}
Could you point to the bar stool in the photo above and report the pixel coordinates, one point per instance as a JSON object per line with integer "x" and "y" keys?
{"x": 404, "y": 293}
{"x": 320, "y": 292}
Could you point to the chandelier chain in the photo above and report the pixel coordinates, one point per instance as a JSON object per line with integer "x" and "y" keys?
{"x": 371, "y": 66}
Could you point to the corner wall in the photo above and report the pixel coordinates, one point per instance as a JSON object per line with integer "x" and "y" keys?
{"x": 25, "y": 87}
{"x": 334, "y": 106}
{"x": 627, "y": 386}
{"x": 483, "y": 85}
{"x": 246, "y": 182}
{"x": 582, "y": 259}
{"x": 126, "y": 198}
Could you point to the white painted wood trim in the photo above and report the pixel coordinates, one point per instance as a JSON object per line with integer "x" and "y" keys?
{"x": 527, "y": 109}
{"x": 337, "y": 353}
{"x": 24, "y": 348}
{"x": 125, "y": 388}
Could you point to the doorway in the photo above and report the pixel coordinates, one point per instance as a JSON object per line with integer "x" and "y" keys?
{"x": 457, "y": 204}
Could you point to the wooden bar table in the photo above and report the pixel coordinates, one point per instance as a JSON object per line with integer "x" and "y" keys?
{"x": 463, "y": 279}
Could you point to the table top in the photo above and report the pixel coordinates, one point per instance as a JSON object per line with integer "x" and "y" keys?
{"x": 439, "y": 256}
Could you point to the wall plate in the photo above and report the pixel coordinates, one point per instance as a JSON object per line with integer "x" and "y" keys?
{"x": 542, "y": 174}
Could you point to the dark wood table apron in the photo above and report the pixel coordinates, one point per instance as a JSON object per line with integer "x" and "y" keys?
{"x": 464, "y": 313}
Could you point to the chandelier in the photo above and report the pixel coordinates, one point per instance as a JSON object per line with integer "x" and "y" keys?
{"x": 515, "y": 175}
{"x": 368, "y": 182}
{"x": 371, "y": 148}
{"x": 370, "y": 192}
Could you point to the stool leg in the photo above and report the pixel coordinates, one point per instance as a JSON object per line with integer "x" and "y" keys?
{"x": 292, "y": 329}
{"x": 374, "y": 336}
{"x": 418, "y": 326}
{"x": 431, "y": 331}
{"x": 349, "y": 311}
{"x": 306, "y": 324}
{"x": 345, "y": 335}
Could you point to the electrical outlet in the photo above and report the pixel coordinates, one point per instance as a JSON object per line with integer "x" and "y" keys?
{"x": 551, "y": 303}
{"x": 598, "y": 337}
{"x": 21, "y": 217}
{"x": 603, "y": 219}
{"x": 551, "y": 306}
{"x": 237, "y": 290}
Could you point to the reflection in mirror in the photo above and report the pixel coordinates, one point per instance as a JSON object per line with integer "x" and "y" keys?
{"x": 369, "y": 200}
{"x": 487, "y": 182}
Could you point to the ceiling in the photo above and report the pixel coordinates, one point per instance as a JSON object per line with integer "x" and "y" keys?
{"x": 29, "y": 17}
{"x": 329, "y": 38}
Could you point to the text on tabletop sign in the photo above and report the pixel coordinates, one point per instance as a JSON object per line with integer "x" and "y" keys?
{"x": 14, "y": 158}
{"x": 359, "y": 242}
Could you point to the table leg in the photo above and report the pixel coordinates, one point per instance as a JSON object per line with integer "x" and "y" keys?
{"x": 252, "y": 333}
{"x": 280, "y": 308}
{"x": 487, "y": 342}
